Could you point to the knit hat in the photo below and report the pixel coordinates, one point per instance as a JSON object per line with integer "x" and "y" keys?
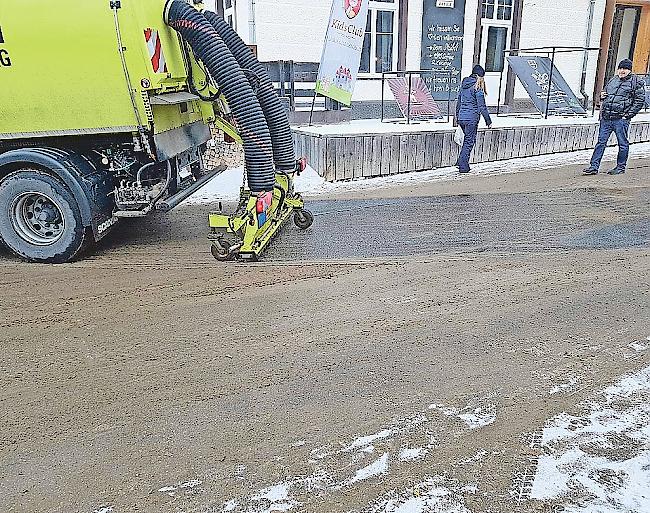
{"x": 625, "y": 64}
{"x": 479, "y": 71}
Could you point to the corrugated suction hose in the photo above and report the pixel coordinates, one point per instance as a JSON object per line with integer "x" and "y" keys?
{"x": 208, "y": 46}
{"x": 283, "y": 150}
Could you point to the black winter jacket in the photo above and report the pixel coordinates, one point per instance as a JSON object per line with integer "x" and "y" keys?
{"x": 625, "y": 98}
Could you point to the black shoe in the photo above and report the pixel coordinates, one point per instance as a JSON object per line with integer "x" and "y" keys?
{"x": 616, "y": 171}
{"x": 462, "y": 171}
{"x": 590, "y": 171}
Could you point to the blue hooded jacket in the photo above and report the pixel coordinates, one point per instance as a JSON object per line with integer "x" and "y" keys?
{"x": 471, "y": 103}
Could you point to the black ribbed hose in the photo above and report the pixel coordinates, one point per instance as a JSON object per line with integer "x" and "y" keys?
{"x": 276, "y": 116}
{"x": 208, "y": 46}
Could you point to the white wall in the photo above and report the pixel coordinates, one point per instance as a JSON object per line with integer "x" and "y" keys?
{"x": 295, "y": 30}
{"x": 563, "y": 23}
{"x": 210, "y": 5}
{"x": 289, "y": 29}
{"x": 471, "y": 15}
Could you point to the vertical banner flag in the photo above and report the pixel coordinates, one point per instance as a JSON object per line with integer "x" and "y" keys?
{"x": 341, "y": 58}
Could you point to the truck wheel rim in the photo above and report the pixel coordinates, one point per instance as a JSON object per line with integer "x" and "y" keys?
{"x": 37, "y": 219}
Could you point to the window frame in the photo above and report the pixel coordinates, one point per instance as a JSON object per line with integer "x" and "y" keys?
{"x": 373, "y": 7}
{"x": 231, "y": 11}
{"x": 496, "y": 5}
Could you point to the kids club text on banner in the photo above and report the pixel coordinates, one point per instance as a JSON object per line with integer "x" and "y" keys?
{"x": 341, "y": 58}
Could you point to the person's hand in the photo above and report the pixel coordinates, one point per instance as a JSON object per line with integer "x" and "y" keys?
{"x": 603, "y": 95}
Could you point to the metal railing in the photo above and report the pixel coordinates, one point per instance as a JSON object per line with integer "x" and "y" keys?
{"x": 409, "y": 74}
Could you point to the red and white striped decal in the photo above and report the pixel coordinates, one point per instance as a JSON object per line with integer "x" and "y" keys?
{"x": 155, "y": 51}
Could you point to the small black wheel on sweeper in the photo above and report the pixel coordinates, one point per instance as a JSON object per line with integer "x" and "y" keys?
{"x": 221, "y": 250}
{"x": 303, "y": 219}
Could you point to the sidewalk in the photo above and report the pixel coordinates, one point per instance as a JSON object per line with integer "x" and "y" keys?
{"x": 225, "y": 187}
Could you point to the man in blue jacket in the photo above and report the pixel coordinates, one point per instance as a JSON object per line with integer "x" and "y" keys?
{"x": 624, "y": 97}
{"x": 469, "y": 109}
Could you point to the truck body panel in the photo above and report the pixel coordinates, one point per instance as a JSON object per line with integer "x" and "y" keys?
{"x": 62, "y": 72}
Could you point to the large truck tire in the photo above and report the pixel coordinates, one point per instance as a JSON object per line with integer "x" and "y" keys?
{"x": 40, "y": 220}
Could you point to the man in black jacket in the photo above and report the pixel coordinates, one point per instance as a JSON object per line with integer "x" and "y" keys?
{"x": 624, "y": 97}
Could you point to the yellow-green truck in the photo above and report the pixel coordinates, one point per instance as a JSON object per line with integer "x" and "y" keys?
{"x": 105, "y": 109}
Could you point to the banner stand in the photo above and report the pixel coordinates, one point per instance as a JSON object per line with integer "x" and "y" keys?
{"x": 551, "y": 53}
{"x": 342, "y": 49}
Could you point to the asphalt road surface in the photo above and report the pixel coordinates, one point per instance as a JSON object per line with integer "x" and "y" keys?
{"x": 406, "y": 352}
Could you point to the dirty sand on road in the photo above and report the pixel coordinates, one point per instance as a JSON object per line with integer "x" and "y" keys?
{"x": 150, "y": 378}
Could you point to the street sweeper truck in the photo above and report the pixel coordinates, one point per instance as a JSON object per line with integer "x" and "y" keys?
{"x": 106, "y": 108}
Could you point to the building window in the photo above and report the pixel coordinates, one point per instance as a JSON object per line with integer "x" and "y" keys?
{"x": 229, "y": 13}
{"x": 487, "y": 10}
{"x": 379, "y": 52}
{"x": 496, "y": 44}
{"x": 497, "y": 9}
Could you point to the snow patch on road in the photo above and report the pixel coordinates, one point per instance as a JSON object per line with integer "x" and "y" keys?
{"x": 188, "y": 485}
{"x": 563, "y": 387}
{"x": 412, "y": 454}
{"x": 431, "y": 495}
{"x": 600, "y": 461}
{"x": 104, "y": 509}
{"x": 273, "y": 499}
{"x": 364, "y": 442}
{"x": 478, "y": 457}
{"x": 226, "y": 186}
{"x": 229, "y": 506}
{"x": 336, "y": 469}
{"x": 638, "y": 346}
{"x": 474, "y": 417}
{"x": 376, "y": 468}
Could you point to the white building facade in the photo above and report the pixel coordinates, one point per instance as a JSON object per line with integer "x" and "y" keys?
{"x": 407, "y": 35}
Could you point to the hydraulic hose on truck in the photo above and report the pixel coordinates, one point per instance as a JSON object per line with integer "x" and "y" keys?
{"x": 208, "y": 46}
{"x": 276, "y": 117}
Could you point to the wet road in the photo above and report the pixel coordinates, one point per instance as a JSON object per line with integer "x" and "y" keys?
{"x": 581, "y": 219}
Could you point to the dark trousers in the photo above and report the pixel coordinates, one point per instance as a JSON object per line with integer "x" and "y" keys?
{"x": 470, "y": 129}
{"x": 620, "y": 127}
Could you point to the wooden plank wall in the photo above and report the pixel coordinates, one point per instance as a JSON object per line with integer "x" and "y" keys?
{"x": 339, "y": 158}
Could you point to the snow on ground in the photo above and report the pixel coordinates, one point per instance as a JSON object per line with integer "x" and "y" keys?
{"x": 412, "y": 453}
{"x": 336, "y": 468}
{"x": 376, "y": 468}
{"x": 433, "y": 494}
{"x": 563, "y": 387}
{"x": 171, "y": 490}
{"x": 226, "y": 186}
{"x": 599, "y": 461}
{"x": 474, "y": 416}
{"x": 376, "y": 126}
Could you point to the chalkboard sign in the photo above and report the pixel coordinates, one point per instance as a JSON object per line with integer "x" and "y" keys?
{"x": 646, "y": 79}
{"x": 534, "y": 73}
{"x": 443, "y": 32}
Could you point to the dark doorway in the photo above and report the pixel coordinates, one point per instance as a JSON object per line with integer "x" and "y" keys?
{"x": 624, "y": 31}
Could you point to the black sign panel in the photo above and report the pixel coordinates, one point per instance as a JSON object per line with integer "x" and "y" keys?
{"x": 646, "y": 79}
{"x": 443, "y": 28}
{"x": 534, "y": 73}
